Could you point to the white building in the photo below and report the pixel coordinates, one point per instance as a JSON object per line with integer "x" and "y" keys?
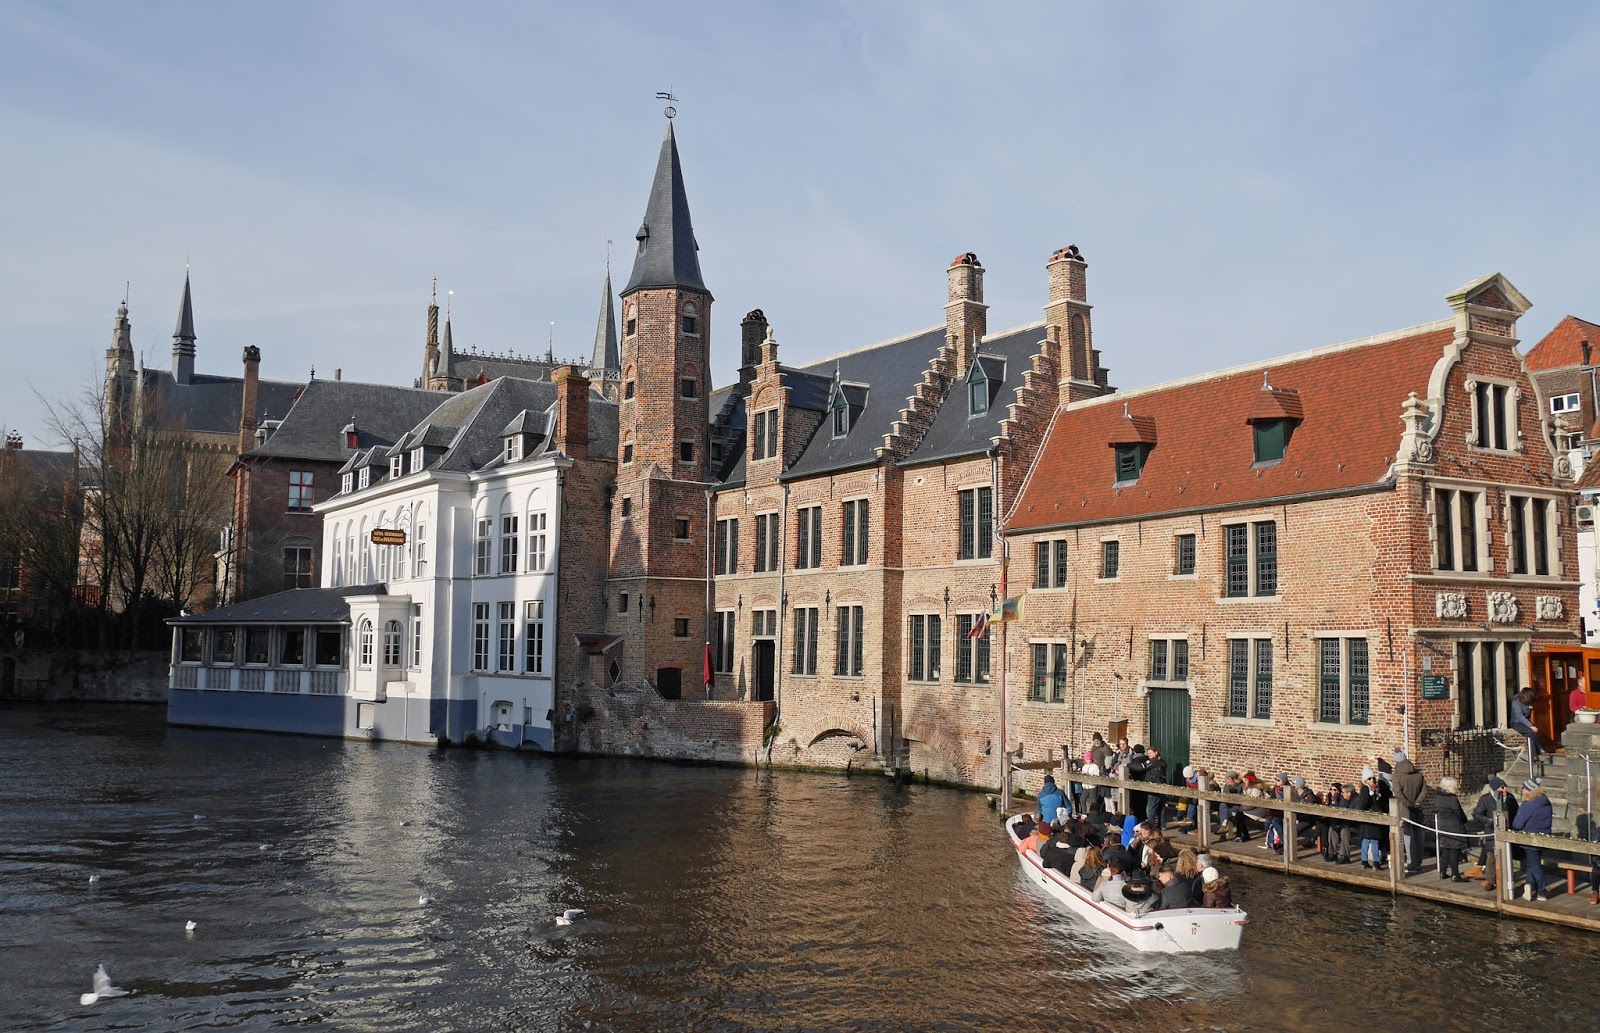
{"x": 449, "y": 631}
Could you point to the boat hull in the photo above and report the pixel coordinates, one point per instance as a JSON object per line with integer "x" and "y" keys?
{"x": 1180, "y": 931}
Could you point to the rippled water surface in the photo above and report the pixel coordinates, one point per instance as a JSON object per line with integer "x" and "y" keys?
{"x": 715, "y": 899}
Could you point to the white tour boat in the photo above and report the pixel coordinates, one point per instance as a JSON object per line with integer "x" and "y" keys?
{"x": 1178, "y": 931}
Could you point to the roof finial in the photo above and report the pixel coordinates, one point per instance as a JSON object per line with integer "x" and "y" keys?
{"x": 436, "y": 290}
{"x": 1266, "y": 381}
{"x": 313, "y": 371}
{"x": 608, "y": 258}
{"x": 671, "y": 112}
{"x": 550, "y": 344}
{"x": 447, "y": 296}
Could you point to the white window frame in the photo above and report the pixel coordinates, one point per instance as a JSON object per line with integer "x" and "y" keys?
{"x": 364, "y": 644}
{"x": 483, "y": 547}
{"x": 538, "y": 539}
{"x": 1568, "y": 402}
{"x": 510, "y": 536}
{"x": 393, "y": 643}
{"x": 397, "y": 468}
{"x": 1166, "y": 646}
{"x": 1523, "y": 504}
{"x": 480, "y": 636}
{"x": 1451, "y": 493}
{"x": 1510, "y": 405}
{"x": 506, "y": 655}
{"x": 419, "y": 552}
{"x": 416, "y": 460}
{"x": 366, "y": 477}
{"x": 416, "y": 636}
{"x": 347, "y": 484}
{"x": 1054, "y": 555}
{"x": 534, "y": 627}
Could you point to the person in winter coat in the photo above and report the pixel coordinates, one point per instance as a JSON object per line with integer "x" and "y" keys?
{"x": 1188, "y": 867}
{"x": 1051, "y": 799}
{"x": 1374, "y": 797}
{"x": 1408, "y": 789}
{"x": 1109, "y": 887}
{"x": 1138, "y": 894}
{"x": 1218, "y": 893}
{"x": 1176, "y": 892}
{"x": 1522, "y": 722}
{"x": 1497, "y": 797}
{"x": 1448, "y": 817}
{"x": 1533, "y": 817}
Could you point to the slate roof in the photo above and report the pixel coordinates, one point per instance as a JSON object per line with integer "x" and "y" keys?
{"x": 607, "y": 356}
{"x": 314, "y": 427}
{"x": 309, "y": 605}
{"x": 671, "y": 256}
{"x": 1204, "y": 452}
{"x": 955, "y": 432}
{"x": 41, "y": 463}
{"x": 210, "y": 404}
{"x": 467, "y": 366}
{"x": 892, "y": 369}
{"x": 1562, "y": 347}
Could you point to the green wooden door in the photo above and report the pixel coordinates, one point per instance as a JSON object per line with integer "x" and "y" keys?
{"x": 1168, "y": 717}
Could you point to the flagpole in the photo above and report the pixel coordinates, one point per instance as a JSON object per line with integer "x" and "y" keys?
{"x": 1005, "y": 661}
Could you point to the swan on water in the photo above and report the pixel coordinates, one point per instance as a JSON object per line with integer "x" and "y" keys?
{"x": 566, "y": 917}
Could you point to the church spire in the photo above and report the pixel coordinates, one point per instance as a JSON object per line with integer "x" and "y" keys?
{"x": 606, "y": 358}
{"x": 183, "y": 338}
{"x": 668, "y": 255}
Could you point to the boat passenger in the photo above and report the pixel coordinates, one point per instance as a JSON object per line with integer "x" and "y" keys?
{"x": 1188, "y": 867}
{"x": 1086, "y": 867}
{"x": 1139, "y": 894}
{"x": 1129, "y": 825}
{"x": 1175, "y": 892}
{"x": 1218, "y": 893}
{"x": 1041, "y": 835}
{"x": 1109, "y": 887}
{"x": 1057, "y": 851}
{"x": 1051, "y": 799}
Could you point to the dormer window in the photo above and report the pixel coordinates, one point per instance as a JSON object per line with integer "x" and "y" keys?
{"x": 514, "y": 448}
{"x": 841, "y": 415}
{"x": 977, "y": 390}
{"x": 346, "y": 483}
{"x": 397, "y": 466}
{"x": 1272, "y": 439}
{"x": 352, "y": 439}
{"x": 416, "y": 460}
{"x": 690, "y": 320}
{"x": 1130, "y": 462}
{"x": 366, "y": 477}
{"x": 643, "y": 236}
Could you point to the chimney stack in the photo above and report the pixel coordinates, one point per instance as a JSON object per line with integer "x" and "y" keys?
{"x": 1067, "y": 322}
{"x": 966, "y": 316}
{"x": 13, "y": 441}
{"x": 252, "y": 394}
{"x": 572, "y": 411}
{"x": 752, "y": 331}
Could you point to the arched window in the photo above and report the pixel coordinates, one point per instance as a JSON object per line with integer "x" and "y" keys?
{"x": 419, "y": 542}
{"x": 338, "y": 559}
{"x": 391, "y": 644}
{"x": 383, "y": 552}
{"x": 365, "y": 640}
{"x": 365, "y": 542}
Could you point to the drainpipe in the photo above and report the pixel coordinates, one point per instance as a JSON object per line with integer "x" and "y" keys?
{"x": 553, "y": 561}
{"x": 1005, "y": 638}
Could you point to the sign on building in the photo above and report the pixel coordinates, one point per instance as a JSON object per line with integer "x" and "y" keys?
{"x": 388, "y": 536}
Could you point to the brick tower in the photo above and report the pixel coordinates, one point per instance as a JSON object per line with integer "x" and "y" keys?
{"x": 656, "y": 592}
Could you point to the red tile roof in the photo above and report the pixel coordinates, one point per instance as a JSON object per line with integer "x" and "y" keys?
{"x": 1562, "y": 347}
{"x": 1590, "y": 479}
{"x": 1350, "y": 395}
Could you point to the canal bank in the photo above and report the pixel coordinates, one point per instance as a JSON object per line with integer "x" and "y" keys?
{"x": 716, "y": 899}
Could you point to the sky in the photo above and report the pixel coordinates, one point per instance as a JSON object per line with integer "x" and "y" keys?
{"x": 1245, "y": 179}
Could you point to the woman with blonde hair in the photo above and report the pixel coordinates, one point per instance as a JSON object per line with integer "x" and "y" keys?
{"x": 1449, "y": 817}
{"x": 1086, "y": 872}
{"x": 1188, "y": 870}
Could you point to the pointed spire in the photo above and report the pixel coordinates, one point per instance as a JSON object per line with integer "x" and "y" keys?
{"x": 183, "y": 338}
{"x": 447, "y": 348}
{"x": 668, "y": 255}
{"x": 607, "y": 358}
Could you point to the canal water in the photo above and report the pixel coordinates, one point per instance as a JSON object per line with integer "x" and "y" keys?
{"x": 714, "y": 899}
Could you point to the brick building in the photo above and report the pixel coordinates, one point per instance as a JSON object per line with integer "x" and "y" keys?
{"x": 1265, "y": 566}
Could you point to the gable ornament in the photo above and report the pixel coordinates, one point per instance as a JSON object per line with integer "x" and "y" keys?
{"x": 1502, "y": 607}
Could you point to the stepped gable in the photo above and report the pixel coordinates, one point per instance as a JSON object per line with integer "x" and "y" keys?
{"x": 955, "y": 432}
{"x": 1562, "y": 347}
{"x": 314, "y": 427}
{"x": 1203, "y": 458}
{"x": 210, "y": 404}
{"x": 885, "y": 369}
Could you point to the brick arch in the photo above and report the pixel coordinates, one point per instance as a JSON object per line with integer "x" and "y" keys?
{"x": 828, "y": 733}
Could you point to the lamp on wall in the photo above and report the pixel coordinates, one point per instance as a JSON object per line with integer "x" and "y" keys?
{"x": 652, "y": 607}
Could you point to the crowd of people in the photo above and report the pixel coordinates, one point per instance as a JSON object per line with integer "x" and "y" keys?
{"x": 1439, "y": 816}
{"x": 1118, "y": 859}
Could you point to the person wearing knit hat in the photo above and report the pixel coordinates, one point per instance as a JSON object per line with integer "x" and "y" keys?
{"x": 1217, "y": 892}
{"x": 1497, "y": 799}
{"x": 1533, "y": 817}
{"x": 1409, "y": 789}
{"x": 1366, "y": 773}
{"x": 1373, "y": 797}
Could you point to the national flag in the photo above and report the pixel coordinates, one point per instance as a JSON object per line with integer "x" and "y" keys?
{"x": 1007, "y": 611}
{"x": 709, "y": 673}
{"x": 980, "y": 627}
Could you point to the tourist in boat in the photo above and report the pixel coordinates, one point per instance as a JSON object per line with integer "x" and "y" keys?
{"x": 1039, "y": 837}
{"x": 1448, "y": 816}
{"x": 1218, "y": 893}
{"x": 1108, "y": 889}
{"x": 1497, "y": 798}
{"x": 1522, "y": 722}
{"x": 1158, "y": 850}
{"x": 1188, "y": 867}
{"x": 1051, "y": 800}
{"x": 1139, "y": 895}
{"x": 1374, "y": 798}
{"x": 1086, "y": 870}
{"x": 1534, "y": 818}
{"x": 1057, "y": 851}
{"x": 1175, "y": 891}
{"x": 1130, "y": 828}
{"x": 1408, "y": 789}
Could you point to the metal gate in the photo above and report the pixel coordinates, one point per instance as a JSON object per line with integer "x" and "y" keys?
{"x": 1168, "y": 721}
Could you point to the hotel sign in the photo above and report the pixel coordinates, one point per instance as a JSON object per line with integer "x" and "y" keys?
{"x": 388, "y": 536}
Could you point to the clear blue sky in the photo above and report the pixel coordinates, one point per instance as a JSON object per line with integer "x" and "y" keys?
{"x": 1245, "y": 179}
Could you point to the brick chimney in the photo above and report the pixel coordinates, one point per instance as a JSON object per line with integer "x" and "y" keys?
{"x": 1068, "y": 323}
{"x": 251, "y": 399}
{"x": 966, "y": 316}
{"x": 752, "y": 331}
{"x": 13, "y": 442}
{"x": 572, "y": 411}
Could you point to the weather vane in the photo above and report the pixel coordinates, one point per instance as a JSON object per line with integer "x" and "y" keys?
{"x": 670, "y": 99}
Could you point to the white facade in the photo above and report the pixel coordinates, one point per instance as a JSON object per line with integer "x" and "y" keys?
{"x": 464, "y": 639}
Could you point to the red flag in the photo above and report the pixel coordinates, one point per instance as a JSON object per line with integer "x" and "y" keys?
{"x": 709, "y": 673}
{"x": 979, "y": 627}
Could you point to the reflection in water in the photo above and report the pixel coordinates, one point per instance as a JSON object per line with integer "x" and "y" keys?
{"x": 715, "y": 899}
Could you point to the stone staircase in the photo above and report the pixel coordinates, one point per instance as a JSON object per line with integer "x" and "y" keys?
{"x": 1565, "y": 775}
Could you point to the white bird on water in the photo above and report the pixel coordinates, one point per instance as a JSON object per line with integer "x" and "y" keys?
{"x": 424, "y": 901}
{"x": 93, "y": 879}
{"x": 566, "y": 917}
{"x": 189, "y": 926}
{"x": 102, "y": 988}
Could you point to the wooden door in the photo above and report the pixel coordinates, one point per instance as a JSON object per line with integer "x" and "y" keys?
{"x": 1168, "y": 713}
